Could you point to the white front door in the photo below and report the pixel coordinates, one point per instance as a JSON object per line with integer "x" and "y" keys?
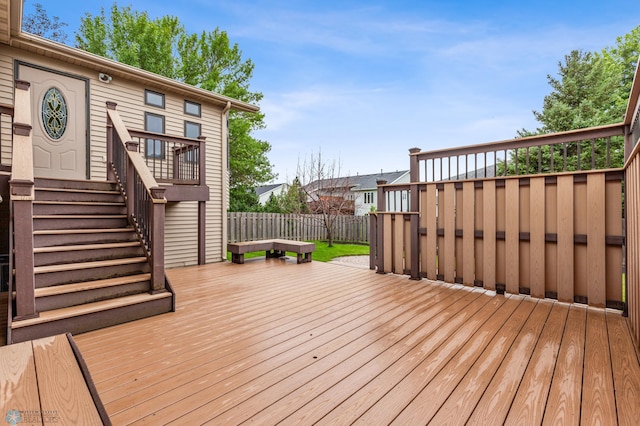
{"x": 59, "y": 115}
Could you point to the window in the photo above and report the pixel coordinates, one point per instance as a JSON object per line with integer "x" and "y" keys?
{"x": 192, "y": 130}
{"x": 368, "y": 198}
{"x": 154, "y": 98}
{"x": 154, "y": 148}
{"x": 192, "y": 108}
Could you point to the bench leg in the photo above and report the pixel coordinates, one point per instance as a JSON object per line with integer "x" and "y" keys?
{"x": 307, "y": 257}
{"x": 299, "y": 258}
{"x": 237, "y": 258}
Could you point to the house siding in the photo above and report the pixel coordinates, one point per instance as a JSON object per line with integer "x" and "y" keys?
{"x": 181, "y": 227}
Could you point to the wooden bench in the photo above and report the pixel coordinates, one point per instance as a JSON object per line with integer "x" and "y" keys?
{"x": 272, "y": 248}
{"x": 61, "y": 392}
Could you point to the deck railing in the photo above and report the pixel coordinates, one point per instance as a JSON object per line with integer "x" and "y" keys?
{"x": 144, "y": 197}
{"x": 577, "y": 150}
{"x": 551, "y": 234}
{"x": 172, "y": 159}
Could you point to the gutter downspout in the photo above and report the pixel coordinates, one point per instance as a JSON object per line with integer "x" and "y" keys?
{"x": 224, "y": 130}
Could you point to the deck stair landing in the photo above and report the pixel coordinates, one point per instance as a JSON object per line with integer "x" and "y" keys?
{"x": 91, "y": 270}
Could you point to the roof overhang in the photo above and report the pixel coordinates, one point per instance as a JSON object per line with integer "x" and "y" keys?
{"x": 11, "y": 34}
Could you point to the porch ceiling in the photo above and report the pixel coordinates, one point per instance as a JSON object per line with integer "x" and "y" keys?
{"x": 274, "y": 341}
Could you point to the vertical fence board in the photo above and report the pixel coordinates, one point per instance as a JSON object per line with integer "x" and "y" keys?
{"x": 468, "y": 233}
{"x": 596, "y": 240}
{"x": 398, "y": 244}
{"x": 565, "y": 267}
{"x": 613, "y": 214}
{"x": 537, "y": 236}
{"x": 432, "y": 232}
{"x": 489, "y": 234}
{"x": 479, "y": 224}
{"x": 551, "y": 248}
{"x": 500, "y": 229}
{"x": 459, "y": 224}
{"x": 388, "y": 243}
{"x": 512, "y": 235}
{"x": 449, "y": 232}
{"x": 525, "y": 228}
{"x": 580, "y": 228}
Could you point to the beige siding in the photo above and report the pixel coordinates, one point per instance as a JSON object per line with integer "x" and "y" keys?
{"x": 181, "y": 226}
{"x": 181, "y": 234}
{"x": 6, "y": 97}
{"x": 215, "y": 170}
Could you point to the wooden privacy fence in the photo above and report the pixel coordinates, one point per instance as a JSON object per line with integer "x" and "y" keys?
{"x": 632, "y": 187}
{"x": 260, "y": 226}
{"x": 557, "y": 236}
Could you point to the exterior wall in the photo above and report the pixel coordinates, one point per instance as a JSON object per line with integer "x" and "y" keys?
{"x": 182, "y": 219}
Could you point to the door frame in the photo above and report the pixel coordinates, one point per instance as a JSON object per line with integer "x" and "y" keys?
{"x": 16, "y": 73}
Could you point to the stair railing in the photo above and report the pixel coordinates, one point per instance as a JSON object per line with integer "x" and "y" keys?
{"x": 21, "y": 187}
{"x": 145, "y": 199}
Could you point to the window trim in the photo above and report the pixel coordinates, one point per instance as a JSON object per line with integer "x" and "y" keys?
{"x": 199, "y": 114}
{"x": 147, "y": 102}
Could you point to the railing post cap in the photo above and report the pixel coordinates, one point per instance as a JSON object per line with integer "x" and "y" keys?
{"x": 414, "y": 150}
{"x": 22, "y": 85}
{"x": 132, "y": 145}
{"x": 111, "y": 105}
{"x": 381, "y": 181}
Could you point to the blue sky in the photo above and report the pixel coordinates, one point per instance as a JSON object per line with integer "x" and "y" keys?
{"x": 364, "y": 81}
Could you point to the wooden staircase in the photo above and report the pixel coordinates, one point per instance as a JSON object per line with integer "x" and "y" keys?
{"x": 90, "y": 267}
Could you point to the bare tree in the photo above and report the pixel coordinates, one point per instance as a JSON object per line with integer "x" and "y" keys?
{"x": 328, "y": 193}
{"x": 40, "y": 24}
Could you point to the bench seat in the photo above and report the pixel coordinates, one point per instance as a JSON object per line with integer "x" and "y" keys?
{"x": 272, "y": 248}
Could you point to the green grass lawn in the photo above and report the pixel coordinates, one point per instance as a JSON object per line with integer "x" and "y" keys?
{"x": 323, "y": 252}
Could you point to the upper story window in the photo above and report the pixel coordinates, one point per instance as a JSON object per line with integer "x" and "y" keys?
{"x": 153, "y": 148}
{"x": 192, "y": 130}
{"x": 192, "y": 108}
{"x": 154, "y": 98}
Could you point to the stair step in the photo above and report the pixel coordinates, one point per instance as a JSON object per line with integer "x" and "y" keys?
{"x": 89, "y": 285}
{"x": 67, "y": 194}
{"x": 87, "y": 265}
{"x": 100, "y": 185}
{"x": 78, "y": 190}
{"x": 89, "y": 308}
{"x": 59, "y": 237}
{"x": 75, "y": 208}
{"x": 58, "y": 249}
{"x": 67, "y": 221}
{"x": 81, "y": 231}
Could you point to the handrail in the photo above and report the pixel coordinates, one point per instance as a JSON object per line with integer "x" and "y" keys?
{"x": 22, "y": 196}
{"x": 144, "y": 197}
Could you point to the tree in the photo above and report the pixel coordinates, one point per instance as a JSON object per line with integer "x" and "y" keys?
{"x": 328, "y": 194}
{"x": 40, "y": 24}
{"x": 592, "y": 89}
{"x": 207, "y": 60}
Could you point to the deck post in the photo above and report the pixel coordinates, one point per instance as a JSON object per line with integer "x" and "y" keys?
{"x": 22, "y": 196}
{"x": 414, "y": 207}
{"x": 381, "y": 207}
{"x": 110, "y": 139}
{"x": 158, "y": 203}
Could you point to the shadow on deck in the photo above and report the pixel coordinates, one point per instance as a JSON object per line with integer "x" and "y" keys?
{"x": 271, "y": 341}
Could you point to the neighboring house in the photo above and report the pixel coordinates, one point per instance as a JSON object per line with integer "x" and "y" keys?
{"x": 264, "y": 192}
{"x": 361, "y": 190}
{"x": 75, "y": 111}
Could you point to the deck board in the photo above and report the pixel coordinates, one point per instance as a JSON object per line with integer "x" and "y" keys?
{"x": 271, "y": 341}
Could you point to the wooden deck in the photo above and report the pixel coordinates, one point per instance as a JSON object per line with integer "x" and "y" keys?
{"x": 273, "y": 342}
